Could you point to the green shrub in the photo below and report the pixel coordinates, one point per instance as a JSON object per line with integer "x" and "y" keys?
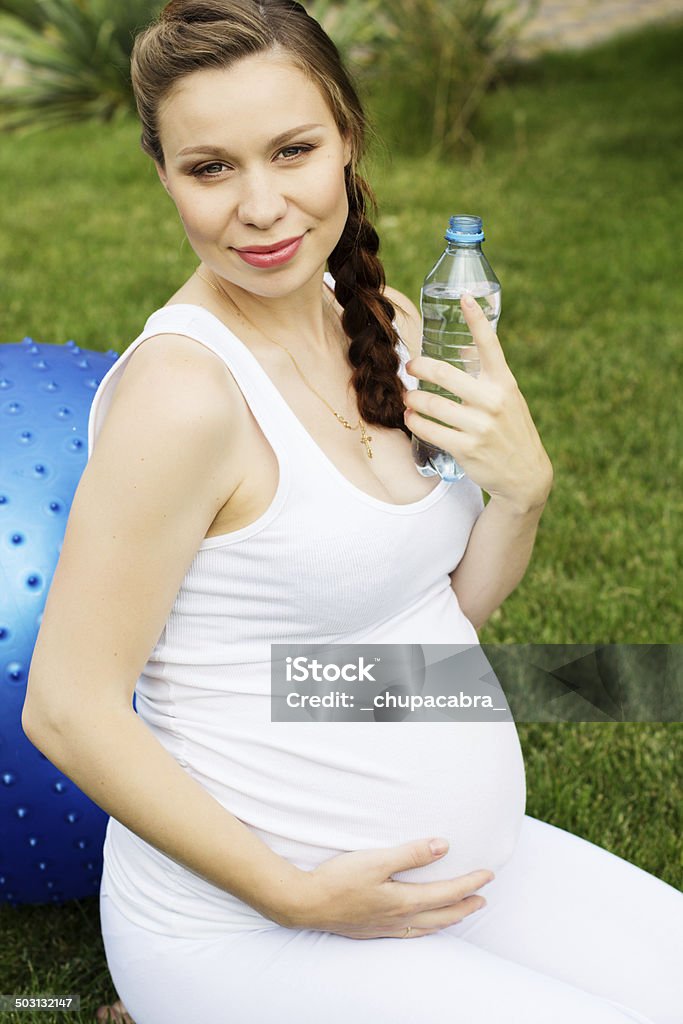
{"x": 76, "y": 55}
{"x": 358, "y": 28}
{"x": 436, "y": 65}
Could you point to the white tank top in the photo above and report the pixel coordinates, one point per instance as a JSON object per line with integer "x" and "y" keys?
{"x": 325, "y": 563}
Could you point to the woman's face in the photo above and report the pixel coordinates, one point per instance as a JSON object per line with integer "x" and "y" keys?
{"x": 253, "y": 158}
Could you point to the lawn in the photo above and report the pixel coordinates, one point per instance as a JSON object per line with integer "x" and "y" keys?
{"x": 576, "y": 176}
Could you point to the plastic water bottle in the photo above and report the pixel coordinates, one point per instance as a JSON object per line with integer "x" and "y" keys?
{"x": 462, "y": 267}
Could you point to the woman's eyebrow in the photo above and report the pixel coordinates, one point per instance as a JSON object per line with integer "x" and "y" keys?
{"x": 278, "y": 140}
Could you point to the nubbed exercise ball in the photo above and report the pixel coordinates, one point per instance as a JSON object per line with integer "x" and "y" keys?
{"x": 51, "y": 833}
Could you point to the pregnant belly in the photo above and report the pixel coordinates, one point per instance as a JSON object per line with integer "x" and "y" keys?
{"x": 316, "y": 790}
{"x": 312, "y": 791}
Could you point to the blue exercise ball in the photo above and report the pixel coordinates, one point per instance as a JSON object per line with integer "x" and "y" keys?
{"x": 51, "y": 833}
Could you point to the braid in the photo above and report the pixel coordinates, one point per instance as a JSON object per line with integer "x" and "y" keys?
{"x": 367, "y": 318}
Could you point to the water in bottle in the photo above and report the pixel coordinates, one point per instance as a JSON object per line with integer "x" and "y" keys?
{"x": 462, "y": 267}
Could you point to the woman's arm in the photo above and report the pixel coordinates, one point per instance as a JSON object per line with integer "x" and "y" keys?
{"x": 111, "y": 755}
{"x": 496, "y": 558}
{"x": 503, "y": 536}
{"x": 160, "y": 470}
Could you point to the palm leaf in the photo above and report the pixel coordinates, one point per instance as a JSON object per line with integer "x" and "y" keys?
{"x": 75, "y": 55}
{"x": 441, "y": 59}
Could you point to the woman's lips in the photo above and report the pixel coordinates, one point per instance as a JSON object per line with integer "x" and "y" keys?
{"x": 273, "y": 258}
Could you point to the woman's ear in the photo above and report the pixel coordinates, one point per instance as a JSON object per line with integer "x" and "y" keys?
{"x": 162, "y": 176}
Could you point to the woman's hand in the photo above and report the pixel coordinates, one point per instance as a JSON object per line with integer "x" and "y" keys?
{"x": 491, "y": 433}
{"x": 354, "y": 895}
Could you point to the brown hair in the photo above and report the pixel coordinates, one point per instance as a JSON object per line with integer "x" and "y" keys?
{"x": 190, "y": 35}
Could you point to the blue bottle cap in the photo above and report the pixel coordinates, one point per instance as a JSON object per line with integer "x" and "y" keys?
{"x": 464, "y": 228}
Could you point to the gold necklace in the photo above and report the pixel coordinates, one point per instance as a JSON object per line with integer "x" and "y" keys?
{"x": 365, "y": 438}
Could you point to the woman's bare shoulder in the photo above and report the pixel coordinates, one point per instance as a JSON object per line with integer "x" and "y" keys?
{"x": 175, "y": 380}
{"x": 169, "y": 364}
{"x": 408, "y": 320}
{"x": 170, "y": 350}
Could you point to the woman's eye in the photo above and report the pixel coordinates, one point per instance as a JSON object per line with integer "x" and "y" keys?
{"x": 296, "y": 151}
{"x": 201, "y": 172}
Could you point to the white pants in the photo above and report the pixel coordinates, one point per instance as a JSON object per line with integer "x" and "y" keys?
{"x": 571, "y": 934}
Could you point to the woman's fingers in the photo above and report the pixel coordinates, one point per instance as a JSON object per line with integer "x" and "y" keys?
{"x": 491, "y": 355}
{"x": 458, "y": 443}
{"x": 485, "y": 393}
{"x": 452, "y": 379}
{"x": 435, "y": 920}
{"x": 480, "y": 390}
{"x": 424, "y": 897}
{"x": 425, "y": 923}
{"x": 446, "y": 410}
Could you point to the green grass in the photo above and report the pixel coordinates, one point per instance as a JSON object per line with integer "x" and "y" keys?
{"x": 575, "y": 177}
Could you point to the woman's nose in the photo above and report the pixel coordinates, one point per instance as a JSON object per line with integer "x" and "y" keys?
{"x": 261, "y": 201}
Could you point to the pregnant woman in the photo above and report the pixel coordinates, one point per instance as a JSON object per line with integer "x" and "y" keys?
{"x": 250, "y": 481}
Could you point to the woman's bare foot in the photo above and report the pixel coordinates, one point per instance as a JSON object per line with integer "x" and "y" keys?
{"x": 114, "y": 1013}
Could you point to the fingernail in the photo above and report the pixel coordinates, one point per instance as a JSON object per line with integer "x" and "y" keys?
{"x": 438, "y": 846}
{"x": 468, "y": 300}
